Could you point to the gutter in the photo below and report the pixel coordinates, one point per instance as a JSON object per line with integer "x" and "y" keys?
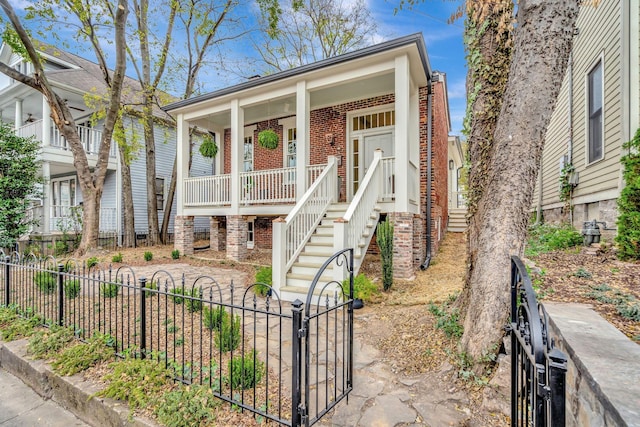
{"x": 427, "y": 260}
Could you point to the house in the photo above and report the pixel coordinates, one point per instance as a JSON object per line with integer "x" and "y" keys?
{"x": 457, "y": 196}
{"x": 360, "y": 136}
{"x": 596, "y": 112}
{"x": 73, "y": 78}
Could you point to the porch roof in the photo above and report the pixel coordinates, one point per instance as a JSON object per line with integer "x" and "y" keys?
{"x": 415, "y": 41}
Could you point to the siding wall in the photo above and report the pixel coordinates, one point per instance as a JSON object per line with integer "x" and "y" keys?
{"x": 599, "y": 36}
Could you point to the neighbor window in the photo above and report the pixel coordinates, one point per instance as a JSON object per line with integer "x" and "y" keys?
{"x": 595, "y": 100}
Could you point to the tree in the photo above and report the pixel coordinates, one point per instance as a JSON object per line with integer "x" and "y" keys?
{"x": 311, "y": 30}
{"x": 506, "y": 149}
{"x": 18, "y": 183}
{"x": 93, "y": 18}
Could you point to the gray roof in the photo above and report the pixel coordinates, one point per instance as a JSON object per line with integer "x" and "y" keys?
{"x": 416, "y": 39}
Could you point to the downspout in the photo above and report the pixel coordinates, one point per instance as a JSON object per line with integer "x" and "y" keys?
{"x": 570, "y": 122}
{"x": 427, "y": 260}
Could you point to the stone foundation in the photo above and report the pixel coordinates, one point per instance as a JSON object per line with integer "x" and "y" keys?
{"x": 236, "y": 237}
{"x": 402, "y": 244}
{"x": 183, "y": 227}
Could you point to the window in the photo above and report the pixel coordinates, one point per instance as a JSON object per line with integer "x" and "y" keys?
{"x": 63, "y": 196}
{"x": 160, "y": 193}
{"x": 290, "y": 161}
{"x": 248, "y": 154}
{"x": 373, "y": 120}
{"x": 595, "y": 112}
{"x": 250, "y": 234}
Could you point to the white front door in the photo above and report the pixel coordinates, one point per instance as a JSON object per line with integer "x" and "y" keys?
{"x": 363, "y": 147}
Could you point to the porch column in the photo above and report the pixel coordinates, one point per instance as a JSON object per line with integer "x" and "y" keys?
{"x": 46, "y": 123}
{"x": 217, "y": 240}
{"x": 237, "y": 152}
{"x": 236, "y": 237}
{"x": 402, "y": 244}
{"x": 182, "y": 161}
{"x": 183, "y": 228}
{"x": 46, "y": 197}
{"x": 402, "y": 86}
{"x": 218, "y": 162}
{"x": 18, "y": 117}
{"x": 302, "y": 132}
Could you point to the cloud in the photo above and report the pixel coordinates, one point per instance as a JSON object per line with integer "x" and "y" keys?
{"x": 457, "y": 89}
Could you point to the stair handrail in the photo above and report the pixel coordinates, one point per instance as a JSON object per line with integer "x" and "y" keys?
{"x": 291, "y": 234}
{"x": 349, "y": 230}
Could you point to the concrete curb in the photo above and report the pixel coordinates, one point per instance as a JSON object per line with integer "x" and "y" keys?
{"x": 72, "y": 393}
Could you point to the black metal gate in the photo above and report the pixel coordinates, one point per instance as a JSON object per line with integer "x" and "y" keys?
{"x": 538, "y": 369}
{"x": 326, "y": 334}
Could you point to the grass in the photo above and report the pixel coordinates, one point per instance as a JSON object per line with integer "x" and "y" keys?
{"x": 550, "y": 237}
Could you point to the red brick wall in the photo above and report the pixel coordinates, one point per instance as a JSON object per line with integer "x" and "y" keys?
{"x": 263, "y": 232}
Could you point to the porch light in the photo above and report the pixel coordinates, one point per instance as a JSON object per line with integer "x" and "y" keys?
{"x": 330, "y": 138}
{"x": 451, "y": 165}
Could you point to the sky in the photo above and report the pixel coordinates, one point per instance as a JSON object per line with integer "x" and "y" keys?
{"x": 443, "y": 41}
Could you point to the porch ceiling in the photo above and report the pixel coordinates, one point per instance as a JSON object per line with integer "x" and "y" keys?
{"x": 32, "y": 102}
{"x": 286, "y": 106}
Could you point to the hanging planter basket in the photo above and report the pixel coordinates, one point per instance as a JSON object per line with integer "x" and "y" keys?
{"x": 268, "y": 138}
{"x": 208, "y": 148}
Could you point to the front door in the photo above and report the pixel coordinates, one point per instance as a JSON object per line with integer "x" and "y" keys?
{"x": 363, "y": 148}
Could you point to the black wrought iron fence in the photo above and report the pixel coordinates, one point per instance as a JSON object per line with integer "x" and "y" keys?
{"x": 538, "y": 369}
{"x": 258, "y": 353}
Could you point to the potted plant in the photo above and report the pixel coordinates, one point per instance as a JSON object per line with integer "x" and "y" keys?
{"x": 268, "y": 138}
{"x": 209, "y": 148}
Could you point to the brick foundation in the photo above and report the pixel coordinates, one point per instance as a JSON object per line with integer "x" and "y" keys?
{"x": 183, "y": 227}
{"x": 236, "y": 237}
{"x": 402, "y": 244}
{"x": 217, "y": 235}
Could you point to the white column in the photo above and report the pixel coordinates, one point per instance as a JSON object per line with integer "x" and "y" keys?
{"x": 219, "y": 160}
{"x": 303, "y": 106}
{"x": 237, "y": 151}
{"x": 46, "y": 197}
{"x": 46, "y": 122}
{"x": 182, "y": 161}
{"x": 18, "y": 117}
{"x": 402, "y": 92}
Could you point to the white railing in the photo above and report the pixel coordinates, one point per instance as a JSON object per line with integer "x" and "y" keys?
{"x": 414, "y": 183}
{"x": 31, "y": 129}
{"x": 313, "y": 172}
{"x": 291, "y": 234}
{"x": 350, "y": 231}
{"x": 213, "y": 190}
{"x": 268, "y": 186}
{"x": 69, "y": 219}
{"x": 388, "y": 179}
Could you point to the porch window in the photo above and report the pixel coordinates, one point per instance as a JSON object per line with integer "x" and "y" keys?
{"x": 596, "y": 128}
{"x": 248, "y": 154}
{"x": 160, "y": 193}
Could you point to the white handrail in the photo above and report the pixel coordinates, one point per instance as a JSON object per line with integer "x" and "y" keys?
{"x": 212, "y": 190}
{"x": 291, "y": 234}
{"x": 268, "y": 186}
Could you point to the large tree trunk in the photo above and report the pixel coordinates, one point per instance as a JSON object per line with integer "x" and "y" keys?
{"x": 497, "y": 229}
{"x": 152, "y": 203}
{"x": 129, "y": 230}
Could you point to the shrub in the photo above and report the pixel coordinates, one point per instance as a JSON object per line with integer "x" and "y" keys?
{"x": 384, "y": 238}
{"x": 71, "y": 288}
{"x": 174, "y": 295}
{"x": 109, "y": 290}
{"x": 175, "y": 254}
{"x": 45, "y": 281}
{"x": 194, "y": 305}
{"x": 82, "y": 356}
{"x": 49, "y": 342}
{"x": 148, "y": 255}
{"x": 447, "y": 319}
{"x": 549, "y": 237}
{"x": 190, "y": 406}
{"x": 628, "y": 237}
{"x": 245, "y": 372}
{"x": 213, "y": 317}
{"x": 363, "y": 288}
{"x": 92, "y": 262}
{"x": 264, "y": 280}
{"x": 19, "y": 328}
{"x": 117, "y": 258}
{"x": 228, "y": 337}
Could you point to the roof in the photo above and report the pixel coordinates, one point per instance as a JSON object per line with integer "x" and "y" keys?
{"x": 416, "y": 39}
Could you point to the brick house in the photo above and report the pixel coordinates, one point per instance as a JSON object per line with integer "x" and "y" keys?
{"x": 361, "y": 136}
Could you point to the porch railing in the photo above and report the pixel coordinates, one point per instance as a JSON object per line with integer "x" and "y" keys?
{"x": 290, "y": 235}
{"x": 362, "y": 212}
{"x": 213, "y": 190}
{"x": 69, "y": 218}
{"x": 268, "y": 186}
{"x": 388, "y": 178}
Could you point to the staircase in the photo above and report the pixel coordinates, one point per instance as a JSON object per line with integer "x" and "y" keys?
{"x": 457, "y": 220}
{"x": 319, "y": 248}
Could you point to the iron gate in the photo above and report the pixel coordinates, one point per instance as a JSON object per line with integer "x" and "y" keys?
{"x": 538, "y": 369}
{"x": 326, "y": 334}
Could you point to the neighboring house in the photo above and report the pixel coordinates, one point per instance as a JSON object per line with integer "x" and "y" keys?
{"x": 356, "y": 133}
{"x": 596, "y": 112}
{"x": 457, "y": 195}
{"x": 73, "y": 78}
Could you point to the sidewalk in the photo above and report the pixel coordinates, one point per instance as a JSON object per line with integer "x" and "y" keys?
{"x": 21, "y": 406}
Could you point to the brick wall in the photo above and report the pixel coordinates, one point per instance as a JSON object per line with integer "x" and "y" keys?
{"x": 183, "y": 229}
{"x": 262, "y": 231}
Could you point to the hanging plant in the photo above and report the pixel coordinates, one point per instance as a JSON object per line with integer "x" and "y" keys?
{"x": 268, "y": 138}
{"x": 208, "y": 148}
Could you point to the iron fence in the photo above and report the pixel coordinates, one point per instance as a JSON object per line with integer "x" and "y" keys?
{"x": 278, "y": 360}
{"x": 538, "y": 369}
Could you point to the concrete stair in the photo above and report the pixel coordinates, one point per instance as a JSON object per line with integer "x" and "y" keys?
{"x": 457, "y": 220}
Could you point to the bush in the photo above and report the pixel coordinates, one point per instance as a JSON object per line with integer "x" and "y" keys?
{"x": 363, "y": 288}
{"x": 194, "y": 305}
{"x": 213, "y": 317}
{"x": 71, "y": 288}
{"x": 148, "y": 255}
{"x": 49, "y": 342}
{"x": 550, "y": 237}
{"x": 92, "y": 262}
{"x": 264, "y": 280}
{"x": 46, "y": 281}
{"x": 175, "y": 254}
{"x": 384, "y": 238}
{"x": 109, "y": 290}
{"x": 245, "y": 372}
{"x": 190, "y": 406}
{"x": 628, "y": 238}
{"x": 82, "y": 356}
{"x": 174, "y": 295}
{"x": 117, "y": 258}
{"x": 228, "y": 337}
